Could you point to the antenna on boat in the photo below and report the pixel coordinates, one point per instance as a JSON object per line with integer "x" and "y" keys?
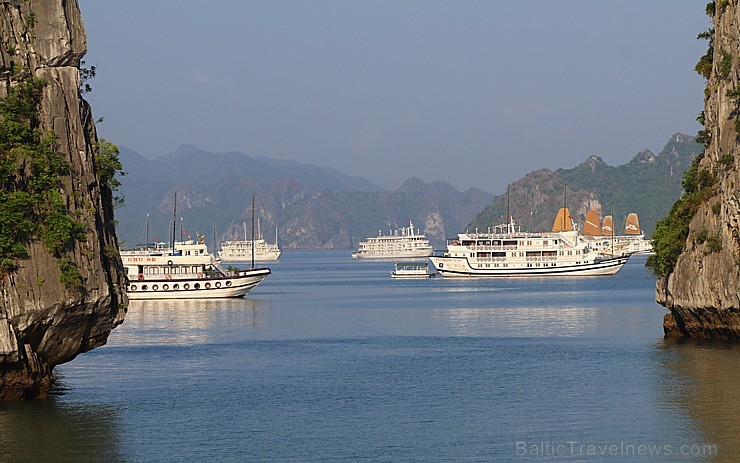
{"x": 174, "y": 222}
{"x": 252, "y": 232}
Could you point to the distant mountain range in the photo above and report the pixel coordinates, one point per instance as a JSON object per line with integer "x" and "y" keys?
{"x": 312, "y": 206}
{"x": 318, "y": 207}
{"x": 647, "y": 185}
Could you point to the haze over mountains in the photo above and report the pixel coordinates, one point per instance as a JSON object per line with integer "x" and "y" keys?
{"x": 312, "y": 206}
{"x": 320, "y": 207}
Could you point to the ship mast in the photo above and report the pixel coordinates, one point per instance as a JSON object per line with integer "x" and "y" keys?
{"x": 252, "y": 232}
{"x": 174, "y": 222}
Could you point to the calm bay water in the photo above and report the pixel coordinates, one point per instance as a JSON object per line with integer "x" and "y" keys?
{"x": 331, "y": 360}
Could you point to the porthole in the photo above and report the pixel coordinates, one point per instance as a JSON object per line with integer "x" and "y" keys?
{"x": 228, "y": 283}
{"x": 208, "y": 286}
{"x": 165, "y": 287}
{"x": 186, "y": 286}
{"x": 133, "y": 287}
{"x": 144, "y": 287}
{"x": 175, "y": 286}
{"x": 218, "y": 284}
{"x": 155, "y": 288}
{"x": 196, "y": 286}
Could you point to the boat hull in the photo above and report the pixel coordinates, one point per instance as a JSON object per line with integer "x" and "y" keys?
{"x": 262, "y": 257}
{"x": 459, "y": 267}
{"x": 229, "y": 286}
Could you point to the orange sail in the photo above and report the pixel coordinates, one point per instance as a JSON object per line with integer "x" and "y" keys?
{"x": 607, "y": 228}
{"x": 563, "y": 221}
{"x": 591, "y": 227}
{"x": 632, "y": 225}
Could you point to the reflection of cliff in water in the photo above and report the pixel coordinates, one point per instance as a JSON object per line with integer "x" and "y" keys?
{"x": 710, "y": 393}
{"x": 49, "y": 431}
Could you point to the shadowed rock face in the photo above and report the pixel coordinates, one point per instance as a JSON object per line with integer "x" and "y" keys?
{"x": 42, "y": 323}
{"x": 703, "y": 292}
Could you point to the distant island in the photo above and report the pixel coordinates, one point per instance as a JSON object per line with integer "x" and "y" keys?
{"x": 317, "y": 207}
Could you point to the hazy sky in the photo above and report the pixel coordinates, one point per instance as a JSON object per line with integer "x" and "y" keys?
{"x": 476, "y": 93}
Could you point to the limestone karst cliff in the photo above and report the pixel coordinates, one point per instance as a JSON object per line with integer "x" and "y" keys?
{"x": 45, "y": 320}
{"x": 701, "y": 285}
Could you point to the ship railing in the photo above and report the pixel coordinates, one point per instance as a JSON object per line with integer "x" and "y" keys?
{"x": 494, "y": 248}
{"x": 490, "y": 259}
{"x": 541, "y": 259}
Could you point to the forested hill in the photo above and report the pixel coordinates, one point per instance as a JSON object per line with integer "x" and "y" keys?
{"x": 647, "y": 185}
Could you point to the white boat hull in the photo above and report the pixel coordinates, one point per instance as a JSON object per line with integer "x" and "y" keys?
{"x": 196, "y": 288}
{"x": 459, "y": 267}
{"x": 261, "y": 257}
{"x": 396, "y": 255}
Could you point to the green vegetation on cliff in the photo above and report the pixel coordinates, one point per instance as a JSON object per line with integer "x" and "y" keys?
{"x": 32, "y": 205}
{"x": 671, "y": 232}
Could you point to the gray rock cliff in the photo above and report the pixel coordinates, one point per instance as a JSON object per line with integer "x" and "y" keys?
{"x": 703, "y": 290}
{"x": 43, "y": 323}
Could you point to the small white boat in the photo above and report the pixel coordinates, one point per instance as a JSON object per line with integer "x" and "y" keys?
{"x": 185, "y": 271}
{"x": 411, "y": 270}
{"x": 403, "y": 243}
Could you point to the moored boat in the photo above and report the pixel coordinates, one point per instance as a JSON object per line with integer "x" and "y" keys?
{"x": 403, "y": 243}
{"x": 241, "y": 250}
{"x": 411, "y": 270}
{"x": 185, "y": 271}
{"x": 607, "y": 243}
{"x": 508, "y": 252}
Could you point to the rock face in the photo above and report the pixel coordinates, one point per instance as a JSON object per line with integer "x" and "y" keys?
{"x": 42, "y": 323}
{"x": 703, "y": 291}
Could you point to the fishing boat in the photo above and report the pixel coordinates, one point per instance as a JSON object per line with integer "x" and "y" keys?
{"x": 411, "y": 270}
{"x": 506, "y": 251}
{"x": 241, "y": 250}
{"x": 403, "y": 243}
{"x": 184, "y": 271}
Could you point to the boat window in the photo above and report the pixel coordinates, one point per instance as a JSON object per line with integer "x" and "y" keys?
{"x": 498, "y": 254}
{"x": 510, "y": 242}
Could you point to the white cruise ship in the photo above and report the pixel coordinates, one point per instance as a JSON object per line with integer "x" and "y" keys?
{"x": 241, "y": 250}
{"x": 510, "y": 253}
{"x": 402, "y": 243}
{"x": 187, "y": 271}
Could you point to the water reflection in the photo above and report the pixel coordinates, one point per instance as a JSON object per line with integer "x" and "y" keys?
{"x": 47, "y": 431}
{"x": 710, "y": 392}
{"x": 518, "y": 321}
{"x": 188, "y": 322}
